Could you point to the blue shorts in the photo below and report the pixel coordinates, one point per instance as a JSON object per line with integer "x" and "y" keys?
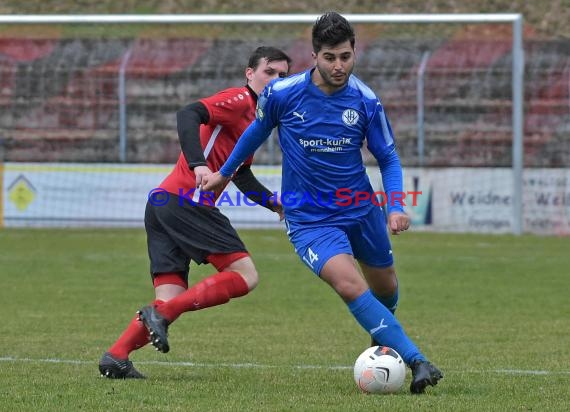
{"x": 365, "y": 238}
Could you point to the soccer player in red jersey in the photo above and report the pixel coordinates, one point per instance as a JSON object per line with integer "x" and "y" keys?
{"x": 182, "y": 226}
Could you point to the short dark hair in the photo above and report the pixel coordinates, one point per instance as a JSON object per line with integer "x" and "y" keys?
{"x": 271, "y": 54}
{"x": 331, "y": 29}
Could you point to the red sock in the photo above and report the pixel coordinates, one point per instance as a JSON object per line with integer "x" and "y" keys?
{"x": 212, "y": 291}
{"x": 134, "y": 337}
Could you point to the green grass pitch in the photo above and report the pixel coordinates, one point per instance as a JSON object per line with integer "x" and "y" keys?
{"x": 493, "y": 312}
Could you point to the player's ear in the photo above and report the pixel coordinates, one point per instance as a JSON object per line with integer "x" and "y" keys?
{"x": 249, "y": 73}
{"x": 314, "y": 56}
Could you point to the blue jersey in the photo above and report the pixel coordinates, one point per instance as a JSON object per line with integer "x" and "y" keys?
{"x": 321, "y": 136}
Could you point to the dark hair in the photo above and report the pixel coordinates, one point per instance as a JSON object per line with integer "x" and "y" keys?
{"x": 271, "y": 54}
{"x": 331, "y": 29}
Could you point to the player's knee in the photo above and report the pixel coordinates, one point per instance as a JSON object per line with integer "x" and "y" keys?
{"x": 246, "y": 270}
{"x": 383, "y": 282}
{"x": 348, "y": 289}
{"x": 251, "y": 278}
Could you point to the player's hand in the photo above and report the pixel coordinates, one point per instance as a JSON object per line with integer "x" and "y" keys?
{"x": 214, "y": 182}
{"x": 201, "y": 172}
{"x": 398, "y": 222}
{"x": 277, "y": 207}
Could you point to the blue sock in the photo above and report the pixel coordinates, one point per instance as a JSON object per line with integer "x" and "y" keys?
{"x": 391, "y": 302}
{"x": 377, "y": 320}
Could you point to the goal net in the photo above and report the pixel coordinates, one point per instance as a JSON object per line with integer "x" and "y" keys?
{"x": 88, "y": 119}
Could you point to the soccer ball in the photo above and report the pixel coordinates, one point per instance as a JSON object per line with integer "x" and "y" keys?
{"x": 379, "y": 369}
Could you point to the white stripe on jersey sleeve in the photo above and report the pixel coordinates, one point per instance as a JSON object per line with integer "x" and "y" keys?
{"x": 212, "y": 140}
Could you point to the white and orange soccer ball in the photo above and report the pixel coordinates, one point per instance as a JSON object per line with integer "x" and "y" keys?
{"x": 379, "y": 369}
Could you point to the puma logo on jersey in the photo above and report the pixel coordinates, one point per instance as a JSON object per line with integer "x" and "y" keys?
{"x": 300, "y": 116}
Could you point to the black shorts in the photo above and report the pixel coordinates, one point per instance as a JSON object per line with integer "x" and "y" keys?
{"x": 179, "y": 232}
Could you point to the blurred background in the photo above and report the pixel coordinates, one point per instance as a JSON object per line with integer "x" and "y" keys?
{"x": 108, "y": 93}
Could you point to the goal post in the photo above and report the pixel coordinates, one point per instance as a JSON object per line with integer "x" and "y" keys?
{"x": 517, "y": 64}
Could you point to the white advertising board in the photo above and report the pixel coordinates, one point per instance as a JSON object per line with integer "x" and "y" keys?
{"x": 457, "y": 200}
{"x": 480, "y": 200}
{"x": 44, "y": 194}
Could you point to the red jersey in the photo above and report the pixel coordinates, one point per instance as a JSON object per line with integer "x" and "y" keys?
{"x": 231, "y": 112}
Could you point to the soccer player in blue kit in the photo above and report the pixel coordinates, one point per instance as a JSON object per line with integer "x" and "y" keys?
{"x": 324, "y": 116}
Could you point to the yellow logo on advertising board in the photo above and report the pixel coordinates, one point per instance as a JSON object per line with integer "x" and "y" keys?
{"x": 21, "y": 193}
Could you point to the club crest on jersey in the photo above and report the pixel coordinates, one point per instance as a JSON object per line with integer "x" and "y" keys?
{"x": 350, "y": 117}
